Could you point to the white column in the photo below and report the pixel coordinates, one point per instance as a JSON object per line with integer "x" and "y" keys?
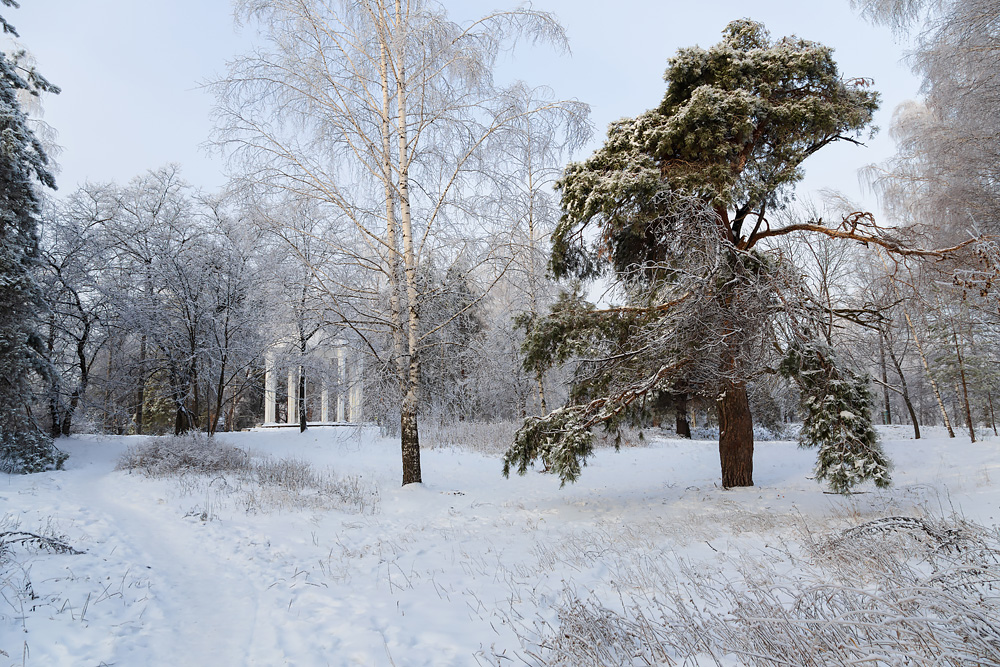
{"x": 292, "y": 382}
{"x": 342, "y": 376}
{"x": 270, "y": 389}
{"x": 356, "y": 389}
{"x": 324, "y": 402}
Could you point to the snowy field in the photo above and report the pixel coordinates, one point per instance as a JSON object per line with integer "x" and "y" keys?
{"x": 470, "y": 568}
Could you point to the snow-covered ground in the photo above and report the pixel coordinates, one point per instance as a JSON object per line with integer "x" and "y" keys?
{"x": 468, "y": 568}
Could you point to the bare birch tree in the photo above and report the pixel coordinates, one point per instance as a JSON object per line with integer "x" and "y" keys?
{"x": 386, "y": 115}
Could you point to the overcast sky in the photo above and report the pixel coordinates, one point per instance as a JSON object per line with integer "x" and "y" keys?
{"x": 130, "y": 72}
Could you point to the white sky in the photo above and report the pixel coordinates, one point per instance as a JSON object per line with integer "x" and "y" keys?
{"x": 130, "y": 71}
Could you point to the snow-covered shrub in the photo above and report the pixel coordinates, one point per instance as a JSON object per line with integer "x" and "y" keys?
{"x": 17, "y": 592}
{"x": 29, "y": 451}
{"x": 490, "y": 438}
{"x": 192, "y": 452}
{"x": 254, "y": 483}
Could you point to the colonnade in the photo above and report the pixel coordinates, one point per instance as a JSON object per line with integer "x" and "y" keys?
{"x": 347, "y": 394}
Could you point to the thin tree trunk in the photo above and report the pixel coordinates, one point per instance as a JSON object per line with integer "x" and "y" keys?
{"x": 965, "y": 385}
{"x": 735, "y": 435}
{"x": 993, "y": 417}
{"x": 989, "y": 394}
{"x": 140, "y": 394}
{"x": 906, "y": 394}
{"x": 887, "y": 414}
{"x": 301, "y": 403}
{"x": 930, "y": 378}
{"x": 532, "y": 272}
{"x": 195, "y": 413}
{"x": 220, "y": 389}
{"x": 409, "y": 438}
{"x": 54, "y": 389}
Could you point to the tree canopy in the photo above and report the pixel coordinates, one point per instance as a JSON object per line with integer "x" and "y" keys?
{"x": 734, "y": 127}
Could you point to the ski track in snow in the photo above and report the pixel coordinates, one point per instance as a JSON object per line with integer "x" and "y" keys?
{"x": 180, "y": 575}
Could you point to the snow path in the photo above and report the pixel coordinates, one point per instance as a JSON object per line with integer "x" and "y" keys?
{"x": 213, "y": 610}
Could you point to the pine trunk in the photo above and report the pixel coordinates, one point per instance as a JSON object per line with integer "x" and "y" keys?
{"x": 735, "y": 436}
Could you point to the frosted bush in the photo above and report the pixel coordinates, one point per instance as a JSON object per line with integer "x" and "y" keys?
{"x": 233, "y": 477}
{"x": 193, "y": 452}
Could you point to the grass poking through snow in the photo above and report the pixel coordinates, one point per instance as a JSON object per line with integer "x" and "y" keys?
{"x": 254, "y": 483}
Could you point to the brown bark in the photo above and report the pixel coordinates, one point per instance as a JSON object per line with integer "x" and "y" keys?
{"x": 682, "y": 428}
{"x": 993, "y": 417}
{"x": 735, "y": 436}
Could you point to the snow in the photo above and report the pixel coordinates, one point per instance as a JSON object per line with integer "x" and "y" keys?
{"x": 201, "y": 571}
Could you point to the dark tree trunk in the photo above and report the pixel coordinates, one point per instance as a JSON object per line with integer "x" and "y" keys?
{"x": 55, "y": 412}
{"x": 301, "y": 403}
{"x": 682, "y": 428}
{"x": 182, "y": 422}
{"x": 735, "y": 436}
{"x": 140, "y": 394}
{"x": 410, "y": 442}
{"x": 906, "y": 393}
{"x": 887, "y": 412}
{"x": 66, "y": 427}
{"x": 993, "y": 417}
{"x": 965, "y": 392}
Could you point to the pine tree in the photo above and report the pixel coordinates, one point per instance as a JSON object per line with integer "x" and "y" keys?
{"x": 838, "y": 419}
{"x": 23, "y": 167}
{"x": 678, "y": 200}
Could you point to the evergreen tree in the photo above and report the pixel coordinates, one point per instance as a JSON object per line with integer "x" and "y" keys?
{"x": 680, "y": 198}
{"x": 23, "y": 167}
{"x": 838, "y": 421}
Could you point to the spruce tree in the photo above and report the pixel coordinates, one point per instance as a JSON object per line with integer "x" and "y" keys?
{"x": 23, "y": 168}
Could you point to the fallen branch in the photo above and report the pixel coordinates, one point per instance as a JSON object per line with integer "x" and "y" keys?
{"x": 38, "y": 541}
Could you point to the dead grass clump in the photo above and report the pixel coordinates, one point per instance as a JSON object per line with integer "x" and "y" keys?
{"x": 494, "y": 438}
{"x": 488, "y": 438}
{"x": 192, "y": 452}
{"x": 229, "y": 476}
{"x": 916, "y": 592}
